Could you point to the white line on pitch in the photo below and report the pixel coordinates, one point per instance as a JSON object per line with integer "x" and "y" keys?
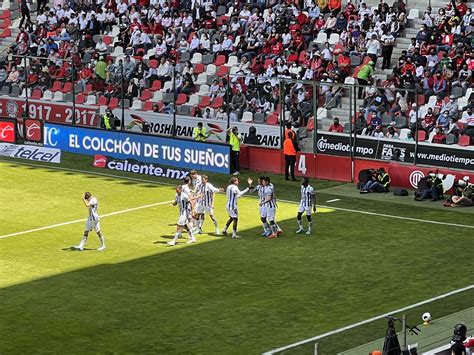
{"x": 292, "y": 202}
{"x": 336, "y": 331}
{"x": 335, "y": 200}
{"x": 84, "y": 219}
{"x": 399, "y": 217}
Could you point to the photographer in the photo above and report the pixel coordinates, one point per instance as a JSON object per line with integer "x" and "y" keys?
{"x": 234, "y": 139}
{"x": 379, "y": 181}
{"x": 434, "y": 188}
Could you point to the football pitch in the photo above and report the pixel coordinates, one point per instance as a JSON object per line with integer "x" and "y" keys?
{"x": 368, "y": 255}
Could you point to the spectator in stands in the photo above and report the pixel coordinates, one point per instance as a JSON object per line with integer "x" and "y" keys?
{"x": 336, "y": 127}
{"x": 439, "y": 137}
{"x": 443, "y": 120}
{"x": 364, "y": 76}
{"x": 388, "y": 41}
{"x": 429, "y": 120}
{"x": 391, "y": 133}
{"x": 400, "y": 104}
{"x": 377, "y": 132}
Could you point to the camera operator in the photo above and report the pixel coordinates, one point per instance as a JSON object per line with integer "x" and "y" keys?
{"x": 379, "y": 181}
{"x": 434, "y": 188}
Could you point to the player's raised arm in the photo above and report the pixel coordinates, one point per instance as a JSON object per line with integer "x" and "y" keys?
{"x": 86, "y": 198}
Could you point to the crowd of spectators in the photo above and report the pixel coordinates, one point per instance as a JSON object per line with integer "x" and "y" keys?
{"x": 273, "y": 40}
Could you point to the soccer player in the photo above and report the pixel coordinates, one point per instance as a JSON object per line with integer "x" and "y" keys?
{"x": 196, "y": 179}
{"x": 233, "y": 193}
{"x": 260, "y": 190}
{"x": 92, "y": 222}
{"x": 270, "y": 206}
{"x": 205, "y": 203}
{"x": 307, "y": 204}
{"x": 183, "y": 201}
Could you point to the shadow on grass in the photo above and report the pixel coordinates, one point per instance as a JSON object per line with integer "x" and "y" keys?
{"x": 225, "y": 296}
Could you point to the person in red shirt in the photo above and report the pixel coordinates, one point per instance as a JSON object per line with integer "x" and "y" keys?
{"x": 461, "y": 7}
{"x": 297, "y": 43}
{"x": 336, "y": 127}
{"x": 319, "y": 24}
{"x": 344, "y": 63}
{"x": 277, "y": 49}
{"x": 335, "y": 6}
{"x": 439, "y": 137}
{"x": 428, "y": 121}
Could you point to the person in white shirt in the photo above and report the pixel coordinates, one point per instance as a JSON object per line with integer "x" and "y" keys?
{"x": 233, "y": 193}
{"x": 205, "y": 203}
{"x": 307, "y": 205}
{"x": 183, "y": 201}
{"x": 388, "y": 41}
{"x": 373, "y": 47}
{"x": 92, "y": 222}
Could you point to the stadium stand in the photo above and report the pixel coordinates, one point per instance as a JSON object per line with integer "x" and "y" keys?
{"x": 418, "y": 58}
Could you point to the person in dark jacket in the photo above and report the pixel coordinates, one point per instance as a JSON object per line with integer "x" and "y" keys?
{"x": 434, "y": 188}
{"x": 378, "y": 182}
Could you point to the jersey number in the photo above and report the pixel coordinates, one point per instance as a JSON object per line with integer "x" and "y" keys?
{"x": 302, "y": 164}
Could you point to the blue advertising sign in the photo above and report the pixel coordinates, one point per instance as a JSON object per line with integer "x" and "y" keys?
{"x": 144, "y": 148}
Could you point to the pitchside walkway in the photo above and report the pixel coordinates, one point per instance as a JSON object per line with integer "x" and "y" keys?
{"x": 350, "y": 191}
{"x": 432, "y": 336}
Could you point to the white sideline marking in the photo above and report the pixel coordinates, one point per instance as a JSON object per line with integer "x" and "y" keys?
{"x": 335, "y": 200}
{"x": 84, "y": 219}
{"x": 399, "y": 217}
{"x": 292, "y": 202}
{"x": 336, "y": 331}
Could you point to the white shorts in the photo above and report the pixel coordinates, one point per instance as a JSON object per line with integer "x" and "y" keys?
{"x": 263, "y": 211}
{"x": 204, "y": 209}
{"x": 308, "y": 210}
{"x": 233, "y": 213}
{"x": 184, "y": 219}
{"x": 92, "y": 225}
{"x": 271, "y": 212}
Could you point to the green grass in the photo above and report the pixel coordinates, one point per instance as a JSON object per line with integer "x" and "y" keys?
{"x": 219, "y": 295}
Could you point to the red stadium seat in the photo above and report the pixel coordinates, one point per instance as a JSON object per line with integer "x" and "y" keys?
{"x": 5, "y": 14}
{"x": 80, "y": 99}
{"x": 88, "y": 89}
{"x": 222, "y": 71}
{"x": 153, "y": 63}
{"x": 102, "y": 101}
{"x": 6, "y": 33}
{"x": 420, "y": 100}
{"x": 199, "y": 68}
{"x": 107, "y": 40}
{"x": 464, "y": 140}
{"x": 218, "y": 102}
{"x": 145, "y": 96}
{"x": 57, "y": 86}
{"x": 36, "y": 94}
{"x": 67, "y": 88}
{"x": 155, "y": 86}
{"x": 421, "y": 136}
{"x": 113, "y": 103}
{"x": 205, "y": 101}
{"x": 148, "y": 106}
{"x": 181, "y": 99}
{"x": 272, "y": 119}
{"x": 220, "y": 60}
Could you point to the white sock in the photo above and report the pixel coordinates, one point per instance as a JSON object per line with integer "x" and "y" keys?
{"x": 201, "y": 222}
{"x": 234, "y": 233}
{"x": 309, "y": 225}
{"x": 83, "y": 241}
{"x": 176, "y": 236}
{"x": 215, "y": 223}
{"x": 273, "y": 228}
{"x": 278, "y": 227}
{"x": 265, "y": 227}
{"x": 300, "y": 224}
{"x": 102, "y": 240}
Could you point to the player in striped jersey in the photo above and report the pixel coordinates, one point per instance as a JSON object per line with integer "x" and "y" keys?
{"x": 270, "y": 206}
{"x": 260, "y": 190}
{"x": 196, "y": 180}
{"x": 233, "y": 193}
{"x": 183, "y": 201}
{"x": 307, "y": 204}
{"x": 92, "y": 222}
{"x": 205, "y": 203}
